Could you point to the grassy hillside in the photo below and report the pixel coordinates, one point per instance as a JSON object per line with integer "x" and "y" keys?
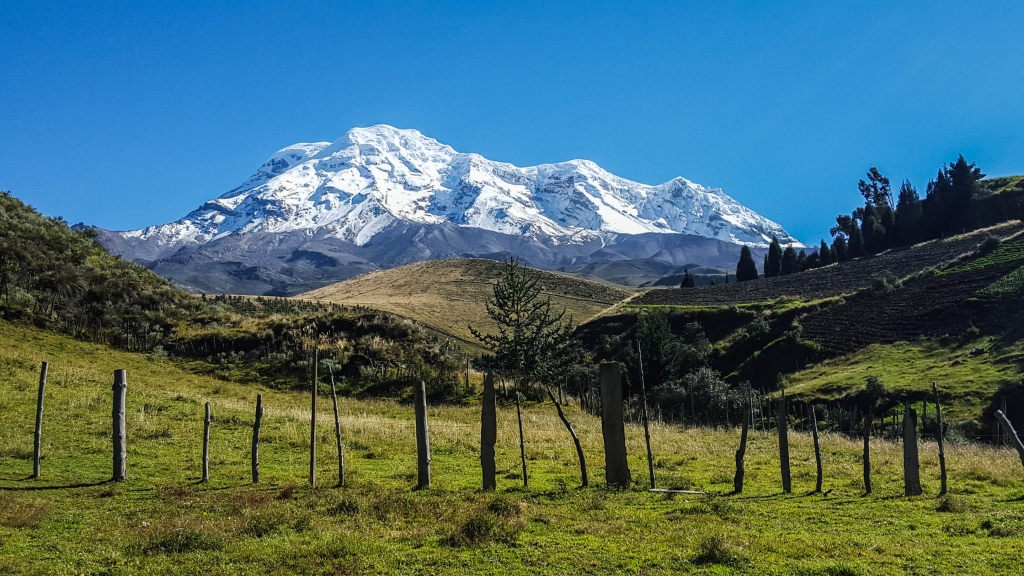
{"x": 449, "y": 295}
{"x": 161, "y": 521}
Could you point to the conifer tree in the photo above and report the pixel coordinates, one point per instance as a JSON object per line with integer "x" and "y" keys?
{"x": 824, "y": 254}
{"x": 840, "y": 251}
{"x": 746, "y": 269}
{"x": 687, "y": 280}
{"x": 773, "y": 263}
{"x": 856, "y": 244}
{"x": 788, "y": 264}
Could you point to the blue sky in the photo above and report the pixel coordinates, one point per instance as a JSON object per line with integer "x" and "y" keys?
{"x": 129, "y": 114}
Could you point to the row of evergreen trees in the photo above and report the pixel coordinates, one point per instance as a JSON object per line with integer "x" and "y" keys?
{"x": 884, "y": 221}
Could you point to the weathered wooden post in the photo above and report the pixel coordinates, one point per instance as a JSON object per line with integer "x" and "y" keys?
{"x": 119, "y": 435}
{"x": 783, "y": 426}
{"x": 817, "y": 449}
{"x": 337, "y": 430}
{"x": 1012, "y": 434}
{"x": 256, "y": 439}
{"x": 312, "y": 418}
{"x": 941, "y": 433}
{"x": 422, "y": 437}
{"x": 737, "y": 481}
{"x": 647, "y": 427}
{"x": 868, "y": 420}
{"x": 488, "y": 433}
{"x": 206, "y": 445}
{"x": 616, "y": 472}
{"x": 911, "y": 464}
{"x": 36, "y": 452}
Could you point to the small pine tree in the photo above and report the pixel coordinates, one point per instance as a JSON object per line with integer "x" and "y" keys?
{"x": 746, "y": 269}
{"x": 726, "y": 277}
{"x": 824, "y": 254}
{"x": 687, "y": 280}
{"x": 856, "y": 247}
{"x": 840, "y": 251}
{"x": 788, "y": 263}
{"x": 773, "y": 262}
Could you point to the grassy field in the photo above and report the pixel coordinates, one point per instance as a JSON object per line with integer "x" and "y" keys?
{"x": 161, "y": 521}
{"x": 912, "y": 367}
{"x": 449, "y": 295}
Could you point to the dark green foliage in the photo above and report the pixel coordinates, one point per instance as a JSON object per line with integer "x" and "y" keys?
{"x": 824, "y": 254}
{"x": 687, "y": 280}
{"x": 746, "y": 269}
{"x": 661, "y": 349}
{"x": 788, "y": 264}
{"x": 533, "y": 344}
{"x": 784, "y": 355}
{"x": 840, "y": 251}
{"x": 773, "y": 262}
{"x": 856, "y": 244}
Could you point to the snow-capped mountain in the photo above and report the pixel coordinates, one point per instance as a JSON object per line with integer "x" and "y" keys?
{"x": 376, "y": 185}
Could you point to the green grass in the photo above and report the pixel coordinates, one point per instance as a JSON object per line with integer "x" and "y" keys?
{"x": 1010, "y": 285}
{"x": 161, "y": 521}
{"x": 1009, "y": 251}
{"x": 912, "y": 367}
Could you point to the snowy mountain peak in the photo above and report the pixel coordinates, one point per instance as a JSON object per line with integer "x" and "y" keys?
{"x": 374, "y": 177}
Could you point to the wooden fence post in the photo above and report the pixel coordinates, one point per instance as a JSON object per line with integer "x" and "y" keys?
{"x": 817, "y": 449}
{"x": 337, "y": 430}
{"x": 422, "y": 437}
{"x": 647, "y": 427}
{"x": 911, "y": 464}
{"x": 868, "y": 421}
{"x": 613, "y": 427}
{"x": 783, "y": 426}
{"x": 36, "y": 452}
{"x": 119, "y": 434}
{"x": 941, "y": 433}
{"x": 737, "y": 481}
{"x": 206, "y": 445}
{"x": 488, "y": 433}
{"x": 256, "y": 439}
{"x": 1012, "y": 434}
{"x": 312, "y": 418}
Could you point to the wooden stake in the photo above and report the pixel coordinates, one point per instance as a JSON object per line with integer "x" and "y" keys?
{"x": 256, "y": 439}
{"x": 575, "y": 439}
{"x": 942, "y": 451}
{"x": 488, "y": 433}
{"x": 422, "y": 437}
{"x": 337, "y": 430}
{"x": 36, "y": 453}
{"x": 1012, "y": 434}
{"x": 737, "y": 481}
{"x": 206, "y": 445}
{"x": 817, "y": 449}
{"x": 868, "y": 419}
{"x": 119, "y": 434}
{"x": 911, "y": 463}
{"x": 312, "y": 419}
{"x": 647, "y": 428}
{"x": 783, "y": 426}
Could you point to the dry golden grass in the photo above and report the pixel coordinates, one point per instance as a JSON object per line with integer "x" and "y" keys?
{"x": 449, "y": 295}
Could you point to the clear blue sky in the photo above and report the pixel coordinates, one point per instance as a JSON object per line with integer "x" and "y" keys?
{"x": 130, "y": 114}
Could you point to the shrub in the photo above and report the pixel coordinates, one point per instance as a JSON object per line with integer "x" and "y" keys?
{"x": 177, "y": 540}
{"x": 715, "y": 549}
{"x": 484, "y": 528}
{"x": 952, "y": 504}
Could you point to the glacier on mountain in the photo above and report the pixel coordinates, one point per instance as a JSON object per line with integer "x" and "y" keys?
{"x": 375, "y": 177}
